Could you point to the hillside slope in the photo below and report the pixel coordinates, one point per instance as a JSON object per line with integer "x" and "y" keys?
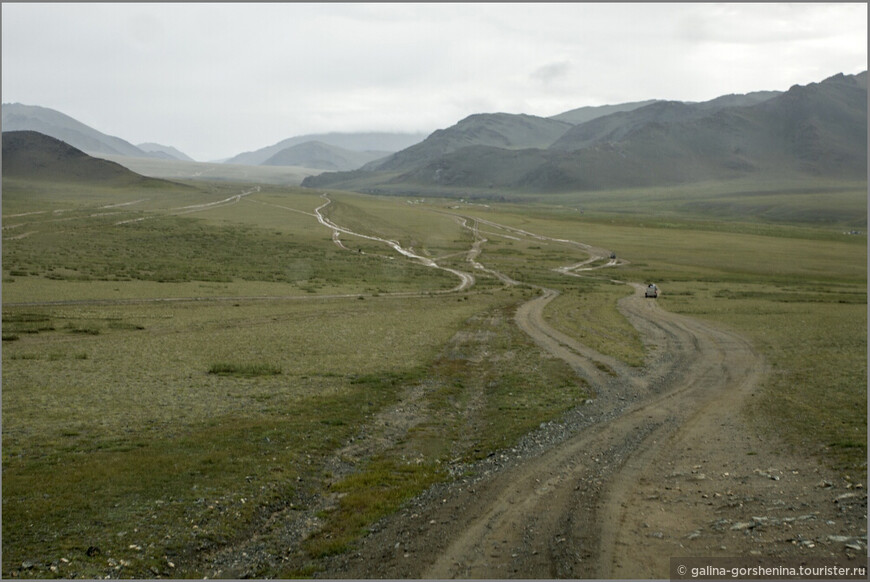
{"x": 818, "y": 130}
{"x": 32, "y": 155}
{"x": 619, "y": 125}
{"x": 584, "y": 114}
{"x": 19, "y": 117}
{"x": 502, "y": 130}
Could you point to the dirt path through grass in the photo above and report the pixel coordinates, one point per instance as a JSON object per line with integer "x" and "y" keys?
{"x": 661, "y": 464}
{"x": 528, "y": 523}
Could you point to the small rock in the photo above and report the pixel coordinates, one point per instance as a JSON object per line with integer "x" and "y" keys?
{"x": 742, "y": 525}
{"x": 767, "y": 474}
{"x": 855, "y": 546}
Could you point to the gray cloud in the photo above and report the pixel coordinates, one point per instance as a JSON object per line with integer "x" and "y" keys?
{"x": 551, "y": 72}
{"x": 217, "y": 79}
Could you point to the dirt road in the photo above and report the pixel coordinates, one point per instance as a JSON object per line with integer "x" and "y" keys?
{"x": 660, "y": 464}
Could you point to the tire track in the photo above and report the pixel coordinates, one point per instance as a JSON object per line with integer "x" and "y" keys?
{"x": 531, "y": 511}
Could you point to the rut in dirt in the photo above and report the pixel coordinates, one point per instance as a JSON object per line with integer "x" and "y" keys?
{"x": 559, "y": 515}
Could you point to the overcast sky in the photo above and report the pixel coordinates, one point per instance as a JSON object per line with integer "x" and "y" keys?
{"x": 218, "y": 79}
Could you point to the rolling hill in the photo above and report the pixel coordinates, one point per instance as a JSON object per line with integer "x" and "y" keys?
{"x": 18, "y": 117}
{"x": 32, "y": 155}
{"x": 817, "y": 130}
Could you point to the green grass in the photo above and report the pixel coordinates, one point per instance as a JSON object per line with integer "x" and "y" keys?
{"x": 588, "y": 312}
{"x": 489, "y": 386}
{"x": 246, "y": 369}
{"x": 160, "y": 431}
{"x": 815, "y": 398}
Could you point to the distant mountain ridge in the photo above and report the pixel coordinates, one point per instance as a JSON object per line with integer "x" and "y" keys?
{"x": 168, "y": 152}
{"x": 817, "y": 129}
{"x": 322, "y": 156}
{"x": 381, "y": 142}
{"x": 502, "y": 130}
{"x": 17, "y": 117}
{"x": 588, "y": 113}
{"x": 618, "y": 125}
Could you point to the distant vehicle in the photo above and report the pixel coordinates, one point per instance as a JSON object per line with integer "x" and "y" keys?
{"x": 652, "y": 291}
{"x": 612, "y": 255}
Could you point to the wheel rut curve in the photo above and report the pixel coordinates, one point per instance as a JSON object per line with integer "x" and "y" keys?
{"x": 562, "y": 513}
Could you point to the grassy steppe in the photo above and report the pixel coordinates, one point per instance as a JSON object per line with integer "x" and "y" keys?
{"x": 154, "y": 432}
{"x": 798, "y": 290}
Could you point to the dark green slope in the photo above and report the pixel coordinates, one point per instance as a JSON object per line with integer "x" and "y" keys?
{"x": 35, "y": 156}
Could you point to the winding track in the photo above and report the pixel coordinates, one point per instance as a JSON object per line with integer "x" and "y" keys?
{"x": 563, "y": 513}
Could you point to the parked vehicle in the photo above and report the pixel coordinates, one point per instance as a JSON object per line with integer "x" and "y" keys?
{"x": 652, "y": 291}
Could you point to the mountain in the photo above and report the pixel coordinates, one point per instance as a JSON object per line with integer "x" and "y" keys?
{"x": 358, "y": 142}
{"x": 322, "y": 156}
{"x": 615, "y": 127}
{"x": 502, "y": 130}
{"x": 816, "y": 130}
{"x": 53, "y": 123}
{"x": 33, "y": 155}
{"x": 584, "y": 114}
{"x": 165, "y": 152}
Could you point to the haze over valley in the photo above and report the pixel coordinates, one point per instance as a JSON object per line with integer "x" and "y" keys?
{"x": 813, "y": 130}
{"x": 433, "y": 291}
